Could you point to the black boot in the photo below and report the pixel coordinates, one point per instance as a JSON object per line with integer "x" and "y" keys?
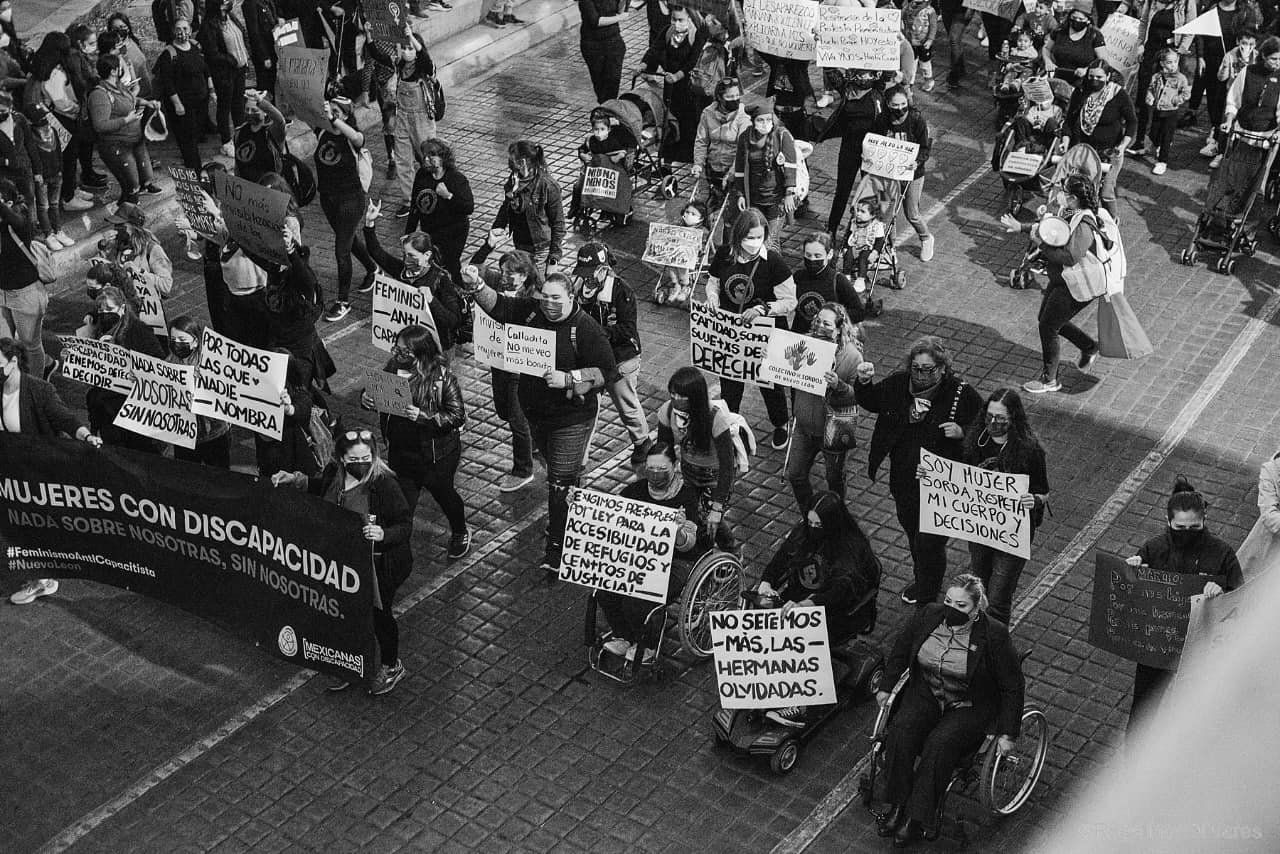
{"x": 889, "y": 822}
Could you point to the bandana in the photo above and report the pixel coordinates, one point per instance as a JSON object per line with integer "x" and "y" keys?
{"x": 1094, "y": 104}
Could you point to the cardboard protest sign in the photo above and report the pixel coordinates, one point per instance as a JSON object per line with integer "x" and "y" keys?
{"x": 606, "y": 186}
{"x": 300, "y": 82}
{"x": 387, "y": 19}
{"x": 254, "y": 215}
{"x": 673, "y": 245}
{"x": 1007, "y": 9}
{"x": 1140, "y": 613}
{"x": 798, "y": 361}
{"x": 724, "y": 344}
{"x": 397, "y": 305}
{"x": 857, "y": 37}
{"x": 100, "y": 364}
{"x": 619, "y": 545}
{"x": 159, "y": 406}
{"x": 390, "y": 392}
{"x": 720, "y": 8}
{"x": 194, "y": 202}
{"x": 1123, "y": 49}
{"x": 488, "y": 339}
{"x": 782, "y": 27}
{"x": 974, "y": 504}
{"x": 513, "y": 348}
{"x": 765, "y": 661}
{"x": 1021, "y": 163}
{"x": 886, "y": 157}
{"x": 150, "y": 308}
{"x": 240, "y": 385}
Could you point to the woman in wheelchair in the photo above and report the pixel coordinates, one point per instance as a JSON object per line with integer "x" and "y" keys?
{"x": 825, "y": 560}
{"x": 965, "y": 679}
{"x": 664, "y": 485}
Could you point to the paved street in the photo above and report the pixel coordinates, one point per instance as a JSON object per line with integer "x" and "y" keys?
{"x": 131, "y": 726}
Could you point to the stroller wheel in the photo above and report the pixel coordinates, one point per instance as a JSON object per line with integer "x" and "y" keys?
{"x": 1188, "y": 257}
{"x": 899, "y": 280}
{"x": 1249, "y": 246}
{"x": 669, "y": 187}
{"x": 1227, "y": 266}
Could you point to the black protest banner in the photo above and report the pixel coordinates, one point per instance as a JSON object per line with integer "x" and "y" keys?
{"x": 1140, "y": 613}
{"x": 277, "y": 567}
{"x": 387, "y": 19}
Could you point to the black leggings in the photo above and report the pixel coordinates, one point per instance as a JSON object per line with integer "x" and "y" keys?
{"x": 847, "y": 169}
{"x": 604, "y": 65}
{"x": 1056, "y": 310}
{"x": 385, "y": 627}
{"x": 438, "y": 479}
{"x": 188, "y": 130}
{"x": 345, "y": 214}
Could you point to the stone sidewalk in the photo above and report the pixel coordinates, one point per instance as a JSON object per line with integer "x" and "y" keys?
{"x": 157, "y": 732}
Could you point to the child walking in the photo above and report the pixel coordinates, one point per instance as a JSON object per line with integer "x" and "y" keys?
{"x": 1168, "y": 92}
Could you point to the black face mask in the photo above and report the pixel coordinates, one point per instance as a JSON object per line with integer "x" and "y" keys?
{"x": 1077, "y": 26}
{"x": 1091, "y": 85}
{"x": 106, "y": 320}
{"x": 4, "y": 117}
{"x": 358, "y": 470}
{"x": 93, "y": 293}
{"x": 814, "y": 268}
{"x": 730, "y": 106}
{"x": 1184, "y": 538}
{"x": 182, "y": 350}
{"x": 899, "y": 115}
{"x": 954, "y": 616}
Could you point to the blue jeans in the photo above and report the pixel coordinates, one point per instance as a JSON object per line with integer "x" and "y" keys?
{"x": 506, "y": 404}
{"x": 565, "y": 451}
{"x": 345, "y": 214}
{"x": 999, "y": 572}
{"x": 802, "y": 450}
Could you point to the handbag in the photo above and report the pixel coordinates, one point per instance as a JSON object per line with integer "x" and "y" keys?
{"x": 40, "y": 257}
{"x": 1120, "y": 335}
{"x": 433, "y": 92}
{"x": 364, "y": 165}
{"x": 1086, "y": 280}
{"x": 840, "y": 432}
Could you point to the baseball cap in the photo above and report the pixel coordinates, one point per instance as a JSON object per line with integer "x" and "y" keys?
{"x": 591, "y": 255}
{"x": 129, "y": 214}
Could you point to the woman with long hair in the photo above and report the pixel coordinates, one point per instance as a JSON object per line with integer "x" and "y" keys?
{"x": 136, "y": 248}
{"x": 532, "y": 210}
{"x": 213, "y": 435}
{"x": 182, "y": 85}
{"x": 1003, "y": 440}
{"x": 114, "y": 320}
{"x": 703, "y": 434}
{"x": 117, "y": 115}
{"x": 423, "y": 442}
{"x": 51, "y": 84}
{"x": 119, "y": 25}
{"x": 441, "y": 204}
{"x": 224, "y": 38}
{"x": 359, "y": 480}
{"x": 414, "y": 122}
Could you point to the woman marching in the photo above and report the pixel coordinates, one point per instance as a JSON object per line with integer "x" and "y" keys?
{"x": 532, "y": 211}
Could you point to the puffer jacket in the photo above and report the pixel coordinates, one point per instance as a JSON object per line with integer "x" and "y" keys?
{"x": 716, "y": 143}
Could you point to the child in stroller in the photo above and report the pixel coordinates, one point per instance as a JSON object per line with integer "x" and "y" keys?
{"x": 1031, "y": 144}
{"x": 608, "y": 142}
{"x": 1018, "y": 62}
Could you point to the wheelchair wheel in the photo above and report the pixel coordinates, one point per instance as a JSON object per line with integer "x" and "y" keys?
{"x": 1007, "y": 781}
{"x": 784, "y": 759}
{"x": 715, "y": 584}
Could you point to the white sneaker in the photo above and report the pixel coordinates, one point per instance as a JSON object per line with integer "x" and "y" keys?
{"x": 824, "y": 100}
{"x": 82, "y": 193}
{"x": 1210, "y": 148}
{"x": 1159, "y": 168}
{"x": 650, "y": 655}
{"x": 64, "y": 239}
{"x": 229, "y": 149}
{"x": 34, "y": 590}
{"x": 52, "y": 242}
{"x": 926, "y": 248}
{"x": 860, "y": 285}
{"x": 619, "y": 647}
{"x": 78, "y": 203}
{"x": 1216, "y": 161}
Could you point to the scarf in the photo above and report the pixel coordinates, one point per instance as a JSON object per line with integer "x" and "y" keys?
{"x": 1094, "y": 104}
{"x": 922, "y": 402}
{"x": 673, "y": 488}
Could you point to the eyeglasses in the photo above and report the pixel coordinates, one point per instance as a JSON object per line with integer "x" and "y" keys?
{"x": 400, "y": 351}
{"x": 358, "y": 436}
{"x": 923, "y": 369}
{"x": 997, "y": 419}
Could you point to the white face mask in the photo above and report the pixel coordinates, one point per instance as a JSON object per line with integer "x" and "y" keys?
{"x": 751, "y": 246}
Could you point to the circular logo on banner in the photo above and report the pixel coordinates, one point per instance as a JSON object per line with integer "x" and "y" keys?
{"x": 809, "y": 305}
{"x": 426, "y": 200}
{"x": 328, "y": 154}
{"x": 246, "y": 151}
{"x": 739, "y": 288}
{"x": 287, "y": 641}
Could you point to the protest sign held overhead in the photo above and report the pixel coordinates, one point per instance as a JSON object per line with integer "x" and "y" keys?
{"x": 1140, "y": 613}
{"x": 100, "y": 364}
{"x": 387, "y": 19}
{"x": 857, "y": 37}
{"x": 150, "y": 308}
{"x": 1007, "y": 9}
{"x": 798, "y": 361}
{"x": 159, "y": 406}
{"x": 782, "y": 27}
{"x": 282, "y": 569}
{"x": 765, "y": 660}
{"x": 397, "y": 305}
{"x": 673, "y": 245}
{"x": 1123, "y": 49}
{"x": 240, "y": 385}
{"x": 254, "y": 216}
{"x": 194, "y": 202}
{"x": 300, "y": 82}
{"x": 886, "y": 157}
{"x": 390, "y": 393}
{"x": 974, "y": 504}
{"x": 513, "y": 348}
{"x": 619, "y": 545}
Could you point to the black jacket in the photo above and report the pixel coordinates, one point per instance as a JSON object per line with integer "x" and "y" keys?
{"x": 618, "y": 319}
{"x": 214, "y": 44}
{"x": 393, "y": 559}
{"x": 260, "y": 18}
{"x": 413, "y": 447}
{"x": 1118, "y": 120}
{"x": 447, "y": 307}
{"x": 41, "y": 411}
{"x": 1209, "y": 557}
{"x": 995, "y": 671}
{"x": 20, "y": 157}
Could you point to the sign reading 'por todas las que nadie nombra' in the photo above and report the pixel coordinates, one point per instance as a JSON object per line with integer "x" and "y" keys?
{"x": 277, "y": 567}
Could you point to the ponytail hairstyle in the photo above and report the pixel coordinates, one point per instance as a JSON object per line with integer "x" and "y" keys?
{"x": 1082, "y": 188}
{"x": 1185, "y": 498}
{"x": 976, "y": 590}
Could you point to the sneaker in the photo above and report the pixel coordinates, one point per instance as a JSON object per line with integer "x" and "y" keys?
{"x": 34, "y": 590}
{"x": 792, "y": 716}
{"x": 78, "y": 203}
{"x": 779, "y": 439}
{"x": 1159, "y": 168}
{"x": 514, "y": 482}
{"x": 640, "y": 452}
{"x": 619, "y": 647}
{"x": 1216, "y": 161}
{"x": 494, "y": 19}
{"x": 366, "y": 284}
{"x": 1043, "y": 385}
{"x": 64, "y": 239}
{"x": 928, "y": 85}
{"x": 403, "y": 211}
{"x": 909, "y": 595}
{"x": 459, "y": 545}
{"x": 337, "y": 685}
{"x": 511, "y": 19}
{"x": 51, "y": 241}
{"x": 1137, "y": 151}
{"x": 1210, "y": 148}
{"x": 650, "y": 655}
{"x": 859, "y": 285}
{"x": 228, "y": 149}
{"x": 388, "y": 678}
{"x": 824, "y": 100}
{"x": 926, "y": 248}
{"x": 337, "y": 310}
{"x": 151, "y": 190}
{"x": 82, "y": 193}
{"x": 1087, "y": 359}
{"x": 438, "y": 6}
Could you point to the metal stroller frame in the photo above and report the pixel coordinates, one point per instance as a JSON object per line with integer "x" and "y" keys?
{"x": 881, "y": 188}
{"x": 1227, "y": 234}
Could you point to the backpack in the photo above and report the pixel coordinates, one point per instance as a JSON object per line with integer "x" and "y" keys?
{"x": 1114, "y": 262}
{"x": 711, "y": 67}
{"x": 744, "y": 439}
{"x": 435, "y": 96}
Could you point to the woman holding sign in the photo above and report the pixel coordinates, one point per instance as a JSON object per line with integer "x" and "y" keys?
{"x": 1185, "y": 547}
{"x": 1004, "y": 441}
{"x": 905, "y": 122}
{"x": 213, "y": 436}
{"x": 115, "y": 321}
{"x": 860, "y": 110}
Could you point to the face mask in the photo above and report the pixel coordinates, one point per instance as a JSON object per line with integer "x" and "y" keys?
{"x": 898, "y": 113}
{"x": 181, "y": 349}
{"x": 813, "y": 267}
{"x": 730, "y": 105}
{"x": 1091, "y": 85}
{"x": 1077, "y": 26}
{"x": 691, "y": 219}
{"x": 106, "y": 320}
{"x": 955, "y": 617}
{"x": 751, "y": 246}
{"x": 181, "y": 38}
{"x": 997, "y": 429}
{"x": 554, "y": 310}
{"x": 659, "y": 480}
{"x": 358, "y": 470}
{"x": 93, "y": 292}
{"x": 411, "y": 265}
{"x": 763, "y": 129}
{"x": 1185, "y": 537}
{"x": 4, "y": 117}
{"x": 601, "y": 134}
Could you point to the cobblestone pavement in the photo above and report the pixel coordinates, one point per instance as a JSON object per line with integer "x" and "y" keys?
{"x": 130, "y": 726}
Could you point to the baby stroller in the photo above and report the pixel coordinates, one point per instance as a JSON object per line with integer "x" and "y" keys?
{"x": 1006, "y": 86}
{"x": 1223, "y": 226}
{"x": 1080, "y": 159}
{"x": 882, "y": 267}
{"x": 1029, "y": 147}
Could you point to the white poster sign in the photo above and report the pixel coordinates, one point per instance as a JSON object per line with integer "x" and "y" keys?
{"x": 159, "y": 406}
{"x": 240, "y": 385}
{"x": 619, "y": 545}
{"x": 766, "y": 661}
{"x": 974, "y": 504}
{"x": 798, "y": 361}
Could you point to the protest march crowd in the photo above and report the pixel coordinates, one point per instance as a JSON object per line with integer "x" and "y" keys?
{"x": 729, "y": 100}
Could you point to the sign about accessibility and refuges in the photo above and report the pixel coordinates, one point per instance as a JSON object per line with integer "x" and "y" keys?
{"x": 798, "y": 361}
{"x": 1140, "y": 613}
{"x": 254, "y": 215}
{"x": 674, "y": 245}
{"x": 765, "y": 660}
{"x": 195, "y": 202}
{"x": 240, "y": 385}
{"x": 389, "y": 392}
{"x": 100, "y": 364}
{"x": 782, "y": 27}
{"x": 886, "y": 157}
{"x": 397, "y": 305}
{"x": 974, "y": 504}
{"x": 159, "y": 406}
{"x": 514, "y": 348}
{"x": 300, "y": 83}
{"x": 857, "y": 37}
{"x": 601, "y": 182}
{"x": 619, "y": 545}
{"x": 722, "y": 343}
